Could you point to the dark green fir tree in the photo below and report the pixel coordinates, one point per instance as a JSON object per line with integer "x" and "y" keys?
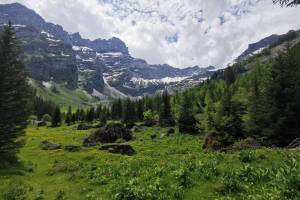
{"x": 56, "y": 117}
{"x": 186, "y": 121}
{"x": 166, "y": 118}
{"x": 15, "y": 95}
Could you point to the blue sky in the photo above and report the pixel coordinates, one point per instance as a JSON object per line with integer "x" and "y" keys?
{"x": 181, "y": 33}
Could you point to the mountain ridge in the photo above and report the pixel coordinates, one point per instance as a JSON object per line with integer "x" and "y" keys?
{"x": 83, "y": 62}
{"x": 102, "y": 68}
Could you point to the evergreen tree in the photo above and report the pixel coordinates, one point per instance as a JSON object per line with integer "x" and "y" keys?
{"x": 116, "y": 109}
{"x": 228, "y": 121}
{"x": 90, "y": 115}
{"x": 42, "y": 107}
{"x": 282, "y": 98}
{"x": 15, "y": 94}
{"x": 82, "y": 115}
{"x": 56, "y": 117}
{"x": 165, "y": 117}
{"x": 68, "y": 119}
{"x": 209, "y": 112}
{"x": 140, "y": 110}
{"x": 98, "y": 111}
{"x": 103, "y": 119}
{"x": 255, "y": 106}
{"x": 129, "y": 112}
{"x": 74, "y": 118}
{"x": 187, "y": 122}
{"x": 148, "y": 103}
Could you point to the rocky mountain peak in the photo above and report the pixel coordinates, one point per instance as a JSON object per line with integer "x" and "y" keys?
{"x": 20, "y": 15}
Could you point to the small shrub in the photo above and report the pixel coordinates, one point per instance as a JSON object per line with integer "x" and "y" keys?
{"x": 247, "y": 156}
{"x": 153, "y": 189}
{"x": 60, "y": 195}
{"x": 248, "y": 143}
{"x": 182, "y": 175}
{"x": 15, "y": 192}
{"x": 207, "y": 170}
{"x": 231, "y": 184}
{"x": 40, "y": 195}
{"x": 46, "y": 118}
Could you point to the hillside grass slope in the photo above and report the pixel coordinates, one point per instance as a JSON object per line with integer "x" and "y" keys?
{"x": 167, "y": 167}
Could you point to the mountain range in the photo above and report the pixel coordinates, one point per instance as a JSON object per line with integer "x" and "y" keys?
{"x": 102, "y": 68}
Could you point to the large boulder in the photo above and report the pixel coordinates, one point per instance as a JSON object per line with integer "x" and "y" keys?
{"x": 109, "y": 134}
{"x": 170, "y": 131}
{"x": 72, "y": 148}
{"x": 248, "y": 143}
{"x": 123, "y": 149}
{"x": 84, "y": 126}
{"x": 153, "y": 136}
{"x": 88, "y": 142}
{"x": 50, "y": 146}
{"x": 135, "y": 129}
{"x": 149, "y": 123}
{"x": 40, "y": 123}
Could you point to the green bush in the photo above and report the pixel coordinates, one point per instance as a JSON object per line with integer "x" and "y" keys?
{"x": 15, "y": 192}
{"x": 231, "y": 184}
{"x": 247, "y": 156}
{"x": 46, "y": 118}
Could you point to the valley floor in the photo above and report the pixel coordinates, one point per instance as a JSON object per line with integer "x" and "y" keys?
{"x": 167, "y": 167}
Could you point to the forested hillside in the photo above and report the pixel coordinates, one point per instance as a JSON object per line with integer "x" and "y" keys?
{"x": 256, "y": 98}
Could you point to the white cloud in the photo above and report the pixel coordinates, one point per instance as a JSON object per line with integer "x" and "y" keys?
{"x": 209, "y": 32}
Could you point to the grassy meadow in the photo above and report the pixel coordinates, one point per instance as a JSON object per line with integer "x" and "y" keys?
{"x": 166, "y": 167}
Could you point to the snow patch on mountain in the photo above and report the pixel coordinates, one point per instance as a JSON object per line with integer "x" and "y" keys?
{"x": 47, "y": 34}
{"x": 47, "y": 85}
{"x": 53, "y": 40}
{"x": 166, "y": 80}
{"x": 112, "y": 54}
{"x": 81, "y": 48}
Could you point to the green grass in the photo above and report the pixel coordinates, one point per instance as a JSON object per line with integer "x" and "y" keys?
{"x": 65, "y": 97}
{"x": 173, "y": 167}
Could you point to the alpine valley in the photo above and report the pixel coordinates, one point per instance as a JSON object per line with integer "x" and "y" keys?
{"x": 69, "y": 69}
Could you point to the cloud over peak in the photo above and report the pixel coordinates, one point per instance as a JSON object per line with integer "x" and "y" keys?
{"x": 181, "y": 33}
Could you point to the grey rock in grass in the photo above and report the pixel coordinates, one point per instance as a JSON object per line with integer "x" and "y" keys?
{"x": 170, "y": 131}
{"x": 84, "y": 126}
{"x": 109, "y": 134}
{"x": 72, "y": 148}
{"x": 124, "y": 149}
{"x": 135, "y": 129}
{"x": 46, "y": 145}
{"x": 153, "y": 136}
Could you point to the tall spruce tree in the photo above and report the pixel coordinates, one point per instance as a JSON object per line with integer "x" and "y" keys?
{"x": 56, "y": 117}
{"x": 282, "y": 106}
{"x": 90, "y": 115}
{"x": 228, "y": 120}
{"x": 116, "y": 109}
{"x": 254, "y": 120}
{"x": 140, "y": 110}
{"x": 166, "y": 118}
{"x": 98, "y": 111}
{"x": 15, "y": 94}
{"x": 187, "y": 122}
{"x": 68, "y": 119}
{"x": 129, "y": 116}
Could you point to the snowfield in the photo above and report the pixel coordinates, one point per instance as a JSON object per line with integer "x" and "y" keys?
{"x": 81, "y": 48}
{"x": 166, "y": 80}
